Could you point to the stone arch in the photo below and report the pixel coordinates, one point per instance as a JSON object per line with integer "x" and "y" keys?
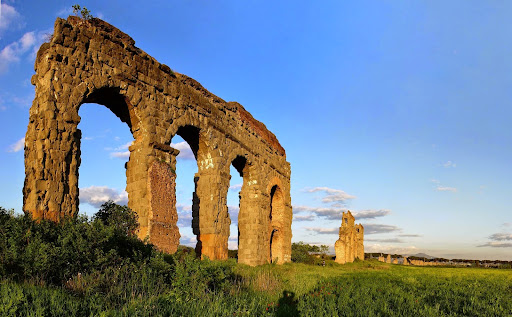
{"x": 96, "y": 62}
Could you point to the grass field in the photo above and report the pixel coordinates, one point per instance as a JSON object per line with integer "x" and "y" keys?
{"x": 365, "y": 288}
{"x": 98, "y": 267}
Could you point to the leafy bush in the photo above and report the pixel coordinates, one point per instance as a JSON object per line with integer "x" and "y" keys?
{"x": 54, "y": 252}
{"x": 302, "y": 253}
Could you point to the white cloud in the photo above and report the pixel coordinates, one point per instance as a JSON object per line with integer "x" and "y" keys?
{"x": 9, "y": 18}
{"x": 188, "y": 241}
{"x": 410, "y": 235}
{"x": 332, "y": 195}
{"x": 320, "y": 230}
{"x": 233, "y": 213}
{"x": 332, "y": 213}
{"x": 388, "y": 240}
{"x": 501, "y": 236}
{"x": 449, "y": 164}
{"x": 371, "y": 213}
{"x": 304, "y": 218}
{"x": 121, "y": 155}
{"x": 65, "y": 12}
{"x": 236, "y": 187}
{"x": 184, "y": 215}
{"x": 13, "y": 52}
{"x": 379, "y": 228}
{"x": 185, "y": 151}
{"x": 495, "y": 244}
{"x": 440, "y": 188}
{"x": 389, "y": 249}
{"x": 327, "y": 212}
{"x": 119, "y": 152}
{"x": 18, "y": 146}
{"x": 233, "y": 243}
{"x": 97, "y": 195}
{"x": 507, "y": 224}
{"x": 435, "y": 181}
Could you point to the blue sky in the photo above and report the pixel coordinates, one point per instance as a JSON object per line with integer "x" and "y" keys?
{"x": 399, "y": 111}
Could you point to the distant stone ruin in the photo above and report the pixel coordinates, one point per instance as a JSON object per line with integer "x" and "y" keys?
{"x": 350, "y": 243}
{"x": 93, "y": 62}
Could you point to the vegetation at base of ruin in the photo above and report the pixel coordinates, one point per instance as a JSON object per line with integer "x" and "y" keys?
{"x": 309, "y": 254}
{"x": 91, "y": 267}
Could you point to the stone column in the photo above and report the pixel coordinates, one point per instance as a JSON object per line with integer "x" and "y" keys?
{"x": 52, "y": 149}
{"x": 253, "y": 247}
{"x": 151, "y": 187}
{"x": 210, "y": 214}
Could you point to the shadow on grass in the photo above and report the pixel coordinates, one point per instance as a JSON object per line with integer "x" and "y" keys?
{"x": 287, "y": 305}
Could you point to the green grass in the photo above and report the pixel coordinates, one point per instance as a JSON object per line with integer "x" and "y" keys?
{"x": 97, "y": 267}
{"x": 211, "y": 288}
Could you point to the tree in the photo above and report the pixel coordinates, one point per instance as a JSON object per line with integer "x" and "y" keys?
{"x": 84, "y": 12}
{"x": 121, "y": 217}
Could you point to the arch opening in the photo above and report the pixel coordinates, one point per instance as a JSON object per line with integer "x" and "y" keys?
{"x": 102, "y": 150}
{"x": 186, "y": 140}
{"x": 234, "y": 202}
{"x": 276, "y": 219}
{"x": 112, "y": 98}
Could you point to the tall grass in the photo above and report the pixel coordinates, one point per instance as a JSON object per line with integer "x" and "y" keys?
{"x": 93, "y": 268}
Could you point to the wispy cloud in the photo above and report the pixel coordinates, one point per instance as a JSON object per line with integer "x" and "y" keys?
{"x": 185, "y": 151}
{"x": 320, "y": 230}
{"x": 379, "y": 228}
{"x": 120, "y": 151}
{"x": 188, "y": 241}
{"x": 390, "y": 249}
{"x": 332, "y": 195}
{"x": 449, "y": 164}
{"x": 184, "y": 215}
{"x": 501, "y": 237}
{"x": 97, "y": 195}
{"x": 14, "y": 52}
{"x": 333, "y": 213}
{"x": 388, "y": 240}
{"x": 233, "y": 213}
{"x": 326, "y": 212}
{"x": 495, "y": 244}
{"x": 236, "y": 187}
{"x": 410, "y": 235}
{"x": 440, "y": 188}
{"x": 9, "y": 18}
{"x": 371, "y": 213}
{"x": 18, "y": 146}
{"x": 65, "y": 12}
{"x": 304, "y": 218}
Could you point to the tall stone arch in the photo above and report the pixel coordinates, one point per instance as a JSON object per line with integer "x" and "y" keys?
{"x": 92, "y": 61}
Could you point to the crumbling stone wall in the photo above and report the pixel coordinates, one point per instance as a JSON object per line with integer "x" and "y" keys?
{"x": 93, "y": 62}
{"x": 350, "y": 245}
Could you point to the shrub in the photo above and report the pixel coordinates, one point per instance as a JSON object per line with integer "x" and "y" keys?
{"x": 301, "y": 253}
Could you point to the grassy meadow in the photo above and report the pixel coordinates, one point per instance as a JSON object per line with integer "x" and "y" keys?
{"x": 97, "y": 267}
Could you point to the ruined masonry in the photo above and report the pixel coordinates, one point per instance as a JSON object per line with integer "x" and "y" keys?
{"x": 94, "y": 62}
{"x": 350, "y": 243}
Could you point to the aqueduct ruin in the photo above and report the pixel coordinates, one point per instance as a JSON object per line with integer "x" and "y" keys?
{"x": 94, "y": 62}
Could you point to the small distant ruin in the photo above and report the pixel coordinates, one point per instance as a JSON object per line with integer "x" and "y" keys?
{"x": 94, "y": 62}
{"x": 350, "y": 243}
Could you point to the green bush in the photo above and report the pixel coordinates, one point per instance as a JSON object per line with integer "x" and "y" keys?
{"x": 55, "y": 252}
{"x": 302, "y": 253}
